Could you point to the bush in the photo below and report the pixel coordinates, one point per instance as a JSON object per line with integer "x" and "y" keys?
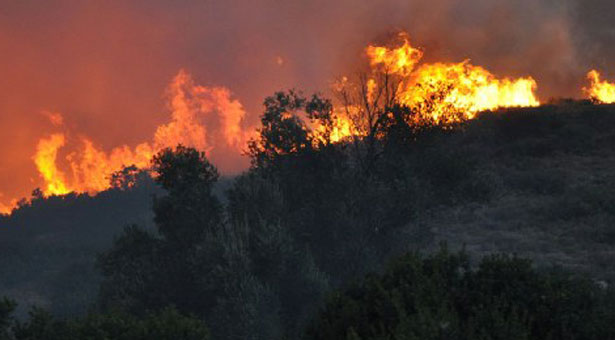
{"x": 167, "y": 324}
{"x": 441, "y": 297}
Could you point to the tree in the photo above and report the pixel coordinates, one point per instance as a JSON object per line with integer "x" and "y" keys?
{"x": 128, "y": 178}
{"x": 143, "y": 271}
{"x": 284, "y": 133}
{"x": 302, "y": 178}
{"x": 130, "y": 271}
{"x": 189, "y": 210}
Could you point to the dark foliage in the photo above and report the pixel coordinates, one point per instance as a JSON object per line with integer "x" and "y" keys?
{"x": 49, "y": 245}
{"x": 6, "y": 310}
{"x": 312, "y": 215}
{"x": 144, "y": 271}
{"x": 167, "y": 324}
{"x": 441, "y": 297}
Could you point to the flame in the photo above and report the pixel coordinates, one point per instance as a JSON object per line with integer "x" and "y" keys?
{"x": 467, "y": 89}
{"x": 401, "y": 60}
{"x": 461, "y": 89}
{"x": 207, "y": 118}
{"x": 342, "y": 128}
{"x": 438, "y": 93}
{"x": 45, "y": 160}
{"x": 191, "y": 106}
{"x": 600, "y": 91}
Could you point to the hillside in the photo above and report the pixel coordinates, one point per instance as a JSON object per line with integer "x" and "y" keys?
{"x": 536, "y": 182}
{"x": 48, "y": 248}
{"x": 549, "y": 174}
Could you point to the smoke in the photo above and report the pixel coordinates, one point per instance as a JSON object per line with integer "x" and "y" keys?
{"x": 105, "y": 65}
{"x": 594, "y": 33}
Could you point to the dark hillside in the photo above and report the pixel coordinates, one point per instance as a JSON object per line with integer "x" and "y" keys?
{"x": 48, "y": 247}
{"x": 549, "y": 174}
{"x": 305, "y": 220}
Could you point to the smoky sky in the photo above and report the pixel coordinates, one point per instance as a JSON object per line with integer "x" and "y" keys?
{"x": 105, "y": 64}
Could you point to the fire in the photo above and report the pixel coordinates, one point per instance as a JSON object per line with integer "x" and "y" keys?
{"x": 192, "y": 107}
{"x": 45, "y": 160}
{"x": 460, "y": 90}
{"x": 342, "y": 128}
{"x": 401, "y": 60}
{"x": 207, "y": 118}
{"x": 467, "y": 89}
{"x": 600, "y": 91}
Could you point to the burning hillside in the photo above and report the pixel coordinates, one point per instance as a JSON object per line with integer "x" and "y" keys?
{"x": 463, "y": 87}
{"x": 192, "y": 107}
{"x": 437, "y": 93}
{"x": 209, "y": 119}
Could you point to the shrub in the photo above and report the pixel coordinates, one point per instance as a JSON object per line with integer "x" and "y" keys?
{"x": 442, "y": 297}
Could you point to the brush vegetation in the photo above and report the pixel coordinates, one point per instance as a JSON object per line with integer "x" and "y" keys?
{"x": 324, "y": 240}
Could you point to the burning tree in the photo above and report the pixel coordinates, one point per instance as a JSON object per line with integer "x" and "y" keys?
{"x": 399, "y": 96}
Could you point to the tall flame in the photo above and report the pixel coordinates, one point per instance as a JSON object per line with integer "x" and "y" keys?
{"x": 208, "y": 119}
{"x": 438, "y": 93}
{"x": 45, "y": 159}
{"x": 465, "y": 88}
{"x": 600, "y": 91}
{"x": 401, "y": 60}
{"x": 192, "y": 107}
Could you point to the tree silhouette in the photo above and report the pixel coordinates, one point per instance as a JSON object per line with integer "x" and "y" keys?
{"x": 189, "y": 209}
{"x": 284, "y": 133}
{"x": 144, "y": 271}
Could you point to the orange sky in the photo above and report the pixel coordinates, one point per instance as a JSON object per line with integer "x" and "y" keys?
{"x": 105, "y": 65}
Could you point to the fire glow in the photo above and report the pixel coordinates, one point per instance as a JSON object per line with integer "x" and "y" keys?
{"x": 466, "y": 88}
{"x": 91, "y": 167}
{"x": 463, "y": 89}
{"x": 599, "y": 90}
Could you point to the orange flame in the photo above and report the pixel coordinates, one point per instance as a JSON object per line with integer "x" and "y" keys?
{"x": 600, "y": 91}
{"x": 439, "y": 93}
{"x": 208, "y": 119}
{"x": 45, "y": 160}
{"x": 467, "y": 89}
{"x": 191, "y": 106}
{"x": 401, "y": 60}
